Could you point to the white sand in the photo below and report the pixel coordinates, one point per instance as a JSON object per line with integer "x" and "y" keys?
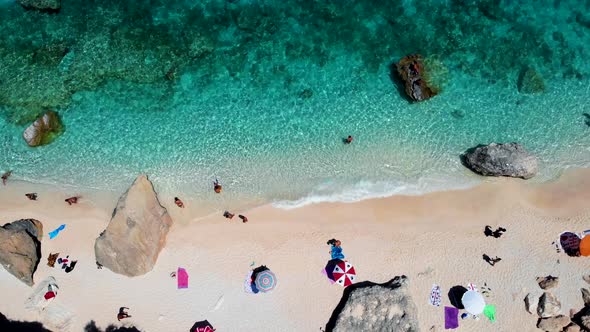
{"x": 436, "y": 238}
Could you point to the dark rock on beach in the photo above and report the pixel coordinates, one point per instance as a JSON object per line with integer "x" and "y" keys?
{"x": 510, "y": 159}
{"x": 20, "y": 248}
{"x": 553, "y": 324}
{"x": 43, "y": 5}
{"x": 368, "y": 306}
{"x": 136, "y": 234}
{"x": 411, "y": 70}
{"x": 44, "y": 130}
{"x": 548, "y": 282}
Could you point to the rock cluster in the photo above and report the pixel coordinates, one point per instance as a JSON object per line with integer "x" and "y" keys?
{"x": 136, "y": 234}
{"x": 375, "y": 307}
{"x": 510, "y": 159}
{"x": 44, "y": 130}
{"x": 20, "y": 248}
{"x": 548, "y": 308}
{"x": 411, "y": 70}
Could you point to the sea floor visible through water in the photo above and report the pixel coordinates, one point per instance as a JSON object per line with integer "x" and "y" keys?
{"x": 269, "y": 124}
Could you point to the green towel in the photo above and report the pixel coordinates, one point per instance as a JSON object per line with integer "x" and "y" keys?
{"x": 490, "y": 312}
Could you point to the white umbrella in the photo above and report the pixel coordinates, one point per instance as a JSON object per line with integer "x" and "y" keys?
{"x": 473, "y": 302}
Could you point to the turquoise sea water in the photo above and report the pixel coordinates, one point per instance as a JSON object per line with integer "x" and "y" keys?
{"x": 260, "y": 94}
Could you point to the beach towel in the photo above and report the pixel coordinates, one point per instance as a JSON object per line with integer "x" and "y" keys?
{"x": 49, "y": 295}
{"x": 182, "y": 278}
{"x": 326, "y": 274}
{"x": 54, "y": 233}
{"x": 490, "y": 312}
{"x": 248, "y": 283}
{"x": 451, "y": 318}
{"x": 51, "y": 259}
{"x": 435, "y": 296}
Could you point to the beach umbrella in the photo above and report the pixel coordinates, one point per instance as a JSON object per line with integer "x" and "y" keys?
{"x": 344, "y": 274}
{"x": 570, "y": 243}
{"x": 202, "y": 326}
{"x": 473, "y": 302}
{"x": 265, "y": 281}
{"x": 585, "y": 246}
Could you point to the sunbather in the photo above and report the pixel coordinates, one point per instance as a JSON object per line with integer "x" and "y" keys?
{"x": 122, "y": 313}
{"x": 336, "y": 250}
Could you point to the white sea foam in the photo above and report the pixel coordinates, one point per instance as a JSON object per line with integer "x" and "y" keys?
{"x": 363, "y": 190}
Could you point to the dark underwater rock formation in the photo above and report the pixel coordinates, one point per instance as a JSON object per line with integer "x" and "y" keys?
{"x": 43, "y": 5}
{"x": 530, "y": 81}
{"x": 510, "y": 159}
{"x": 411, "y": 70}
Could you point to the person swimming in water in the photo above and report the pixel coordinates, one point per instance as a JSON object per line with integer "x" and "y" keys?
{"x": 217, "y": 187}
{"x": 5, "y": 177}
{"x": 348, "y": 140}
{"x": 178, "y": 202}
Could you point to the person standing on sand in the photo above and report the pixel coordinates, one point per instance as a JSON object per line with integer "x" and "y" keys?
{"x": 336, "y": 250}
{"x": 5, "y": 177}
{"x": 217, "y": 187}
{"x": 122, "y": 313}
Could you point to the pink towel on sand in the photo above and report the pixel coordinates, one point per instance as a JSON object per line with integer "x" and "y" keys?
{"x": 182, "y": 278}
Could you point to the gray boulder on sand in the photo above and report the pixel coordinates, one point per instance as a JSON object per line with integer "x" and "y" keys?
{"x": 20, "y": 248}
{"x": 368, "y": 306}
{"x": 553, "y": 324}
{"x": 136, "y": 234}
{"x": 549, "y": 305}
{"x": 41, "y": 4}
{"x": 548, "y": 282}
{"x": 509, "y": 159}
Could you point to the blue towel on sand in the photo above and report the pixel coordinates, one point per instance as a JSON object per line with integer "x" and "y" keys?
{"x": 54, "y": 233}
{"x": 337, "y": 253}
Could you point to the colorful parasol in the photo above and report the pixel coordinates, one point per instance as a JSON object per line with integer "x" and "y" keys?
{"x": 344, "y": 274}
{"x": 265, "y": 281}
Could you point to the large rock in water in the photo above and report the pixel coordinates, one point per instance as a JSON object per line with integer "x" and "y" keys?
{"x": 411, "y": 70}
{"x": 44, "y": 5}
{"x": 509, "y": 159}
{"x": 44, "y": 130}
{"x": 137, "y": 232}
{"x": 20, "y": 248}
{"x": 375, "y": 307}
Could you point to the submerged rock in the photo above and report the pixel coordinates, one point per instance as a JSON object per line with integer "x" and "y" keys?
{"x": 20, "y": 248}
{"x": 411, "y": 70}
{"x": 44, "y": 5}
{"x": 136, "y": 234}
{"x": 549, "y": 306}
{"x": 530, "y": 81}
{"x": 510, "y": 159}
{"x": 44, "y": 130}
{"x": 375, "y": 307}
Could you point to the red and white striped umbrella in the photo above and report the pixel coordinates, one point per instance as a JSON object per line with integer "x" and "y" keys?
{"x": 344, "y": 274}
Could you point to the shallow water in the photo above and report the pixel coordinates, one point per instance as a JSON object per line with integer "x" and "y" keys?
{"x": 262, "y": 94}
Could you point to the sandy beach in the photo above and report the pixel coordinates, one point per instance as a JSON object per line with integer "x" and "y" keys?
{"x": 435, "y": 238}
